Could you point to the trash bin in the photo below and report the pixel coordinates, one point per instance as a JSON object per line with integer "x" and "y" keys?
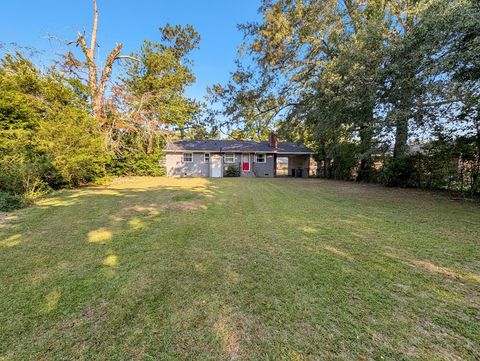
{"x": 293, "y": 172}
{"x": 299, "y": 173}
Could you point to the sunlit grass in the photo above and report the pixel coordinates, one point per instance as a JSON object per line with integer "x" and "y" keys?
{"x": 99, "y": 236}
{"x": 11, "y": 241}
{"x": 163, "y": 268}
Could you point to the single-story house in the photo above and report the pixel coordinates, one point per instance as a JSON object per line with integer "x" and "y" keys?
{"x": 211, "y": 158}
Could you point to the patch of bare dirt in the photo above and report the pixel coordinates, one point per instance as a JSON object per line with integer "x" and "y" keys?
{"x": 187, "y": 205}
{"x": 228, "y": 338}
{"x": 5, "y": 218}
{"x": 340, "y": 253}
{"x": 433, "y": 268}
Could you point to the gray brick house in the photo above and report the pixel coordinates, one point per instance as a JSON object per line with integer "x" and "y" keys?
{"x": 211, "y": 158}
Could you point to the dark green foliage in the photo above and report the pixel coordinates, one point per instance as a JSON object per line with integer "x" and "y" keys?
{"x": 151, "y": 103}
{"x": 137, "y": 163}
{"x": 50, "y": 139}
{"x": 47, "y": 138}
{"x": 72, "y": 143}
{"x": 10, "y": 201}
{"x": 232, "y": 171}
{"x": 138, "y": 153}
{"x": 22, "y": 178}
{"x": 345, "y": 161}
{"x": 401, "y": 171}
{"x": 153, "y": 88}
{"x": 445, "y": 163}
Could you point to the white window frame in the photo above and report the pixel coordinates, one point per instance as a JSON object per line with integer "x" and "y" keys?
{"x": 264, "y": 158}
{"x": 206, "y": 157}
{"x": 226, "y": 156}
{"x": 187, "y": 161}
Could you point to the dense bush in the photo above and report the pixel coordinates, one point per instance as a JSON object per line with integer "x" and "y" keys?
{"x": 23, "y": 177}
{"x": 345, "y": 161}
{"x": 9, "y": 201}
{"x": 54, "y": 131}
{"x": 73, "y": 145}
{"x": 47, "y": 138}
{"x": 445, "y": 163}
{"x": 232, "y": 171}
{"x": 401, "y": 172}
{"x": 134, "y": 158}
{"x": 137, "y": 163}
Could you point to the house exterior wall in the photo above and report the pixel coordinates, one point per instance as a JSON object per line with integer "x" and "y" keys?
{"x": 266, "y": 169}
{"x": 259, "y": 169}
{"x": 237, "y": 163}
{"x": 176, "y": 167}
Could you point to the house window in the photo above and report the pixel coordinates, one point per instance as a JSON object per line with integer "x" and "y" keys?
{"x": 188, "y": 157}
{"x": 229, "y": 157}
{"x": 206, "y": 157}
{"x": 260, "y": 158}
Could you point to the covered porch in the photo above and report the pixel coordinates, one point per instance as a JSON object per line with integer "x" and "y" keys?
{"x": 292, "y": 165}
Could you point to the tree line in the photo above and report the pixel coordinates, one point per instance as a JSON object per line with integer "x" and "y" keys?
{"x": 383, "y": 90}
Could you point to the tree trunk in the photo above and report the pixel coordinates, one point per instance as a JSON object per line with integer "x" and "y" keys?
{"x": 401, "y": 137}
{"x": 365, "y": 168}
{"x": 476, "y": 170}
{"x": 150, "y": 138}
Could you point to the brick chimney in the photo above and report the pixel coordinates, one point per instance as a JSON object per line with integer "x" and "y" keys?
{"x": 272, "y": 140}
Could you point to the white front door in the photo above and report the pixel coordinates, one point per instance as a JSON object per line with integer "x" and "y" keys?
{"x": 215, "y": 165}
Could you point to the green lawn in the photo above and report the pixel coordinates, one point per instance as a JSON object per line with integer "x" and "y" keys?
{"x": 158, "y": 268}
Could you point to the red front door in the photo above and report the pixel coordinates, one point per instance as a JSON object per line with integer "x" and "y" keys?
{"x": 246, "y": 162}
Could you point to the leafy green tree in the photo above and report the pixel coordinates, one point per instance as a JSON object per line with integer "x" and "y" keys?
{"x": 451, "y": 32}
{"x": 154, "y": 87}
{"x": 315, "y": 69}
{"x": 149, "y": 102}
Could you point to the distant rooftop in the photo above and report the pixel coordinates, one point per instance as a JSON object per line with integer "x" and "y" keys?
{"x": 223, "y": 146}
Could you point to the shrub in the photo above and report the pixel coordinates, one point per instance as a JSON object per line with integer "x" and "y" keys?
{"x": 73, "y": 144}
{"x": 9, "y": 201}
{"x": 345, "y": 161}
{"x": 137, "y": 154}
{"x": 137, "y": 163}
{"x": 21, "y": 178}
{"x": 402, "y": 172}
{"x": 232, "y": 171}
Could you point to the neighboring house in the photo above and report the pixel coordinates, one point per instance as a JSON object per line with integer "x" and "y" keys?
{"x": 211, "y": 158}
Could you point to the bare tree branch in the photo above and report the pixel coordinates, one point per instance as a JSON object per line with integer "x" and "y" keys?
{"x": 128, "y": 57}
{"x": 98, "y": 86}
{"x": 93, "y": 41}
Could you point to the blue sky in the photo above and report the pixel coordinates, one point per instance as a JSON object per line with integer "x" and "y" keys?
{"x": 30, "y": 22}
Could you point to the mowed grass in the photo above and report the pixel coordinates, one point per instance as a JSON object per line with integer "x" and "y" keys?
{"x": 158, "y": 268}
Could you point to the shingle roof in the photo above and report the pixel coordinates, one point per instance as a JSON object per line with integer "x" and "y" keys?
{"x": 234, "y": 146}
